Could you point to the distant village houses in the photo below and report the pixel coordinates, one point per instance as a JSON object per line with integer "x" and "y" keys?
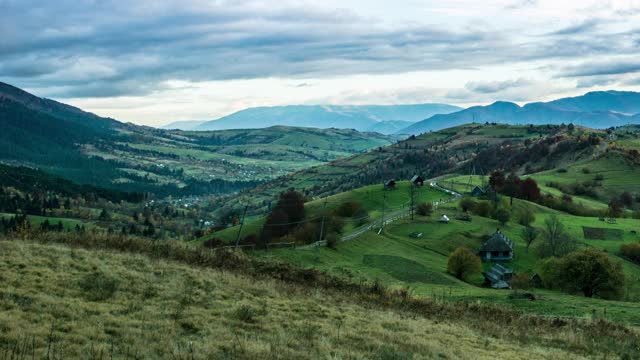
{"x": 417, "y": 180}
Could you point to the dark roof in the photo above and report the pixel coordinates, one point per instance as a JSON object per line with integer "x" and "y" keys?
{"x": 497, "y": 242}
{"x": 498, "y": 276}
{"x": 417, "y": 178}
{"x": 389, "y": 182}
{"x": 477, "y": 190}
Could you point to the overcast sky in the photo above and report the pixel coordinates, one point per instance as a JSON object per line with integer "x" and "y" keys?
{"x": 153, "y": 62}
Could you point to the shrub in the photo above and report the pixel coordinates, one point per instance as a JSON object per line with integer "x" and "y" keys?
{"x": 526, "y": 218}
{"x": 599, "y": 177}
{"x": 97, "y": 286}
{"x": 425, "y": 209}
{"x": 482, "y": 208}
{"x": 467, "y": 204}
{"x": 463, "y": 263}
{"x": 332, "y": 241}
{"x": 521, "y": 281}
{"x": 348, "y": 209}
{"x": 586, "y": 170}
{"x": 503, "y": 215}
{"x": 244, "y": 313}
{"x": 631, "y": 251}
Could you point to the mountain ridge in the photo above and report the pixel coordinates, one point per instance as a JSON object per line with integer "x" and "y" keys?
{"x": 596, "y": 109}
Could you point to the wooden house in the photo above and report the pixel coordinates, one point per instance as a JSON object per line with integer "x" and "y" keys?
{"x": 390, "y": 184}
{"x": 498, "y": 277}
{"x": 417, "y": 180}
{"x": 477, "y": 191}
{"x": 498, "y": 248}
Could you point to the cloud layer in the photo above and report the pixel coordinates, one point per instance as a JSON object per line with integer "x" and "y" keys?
{"x": 108, "y": 49}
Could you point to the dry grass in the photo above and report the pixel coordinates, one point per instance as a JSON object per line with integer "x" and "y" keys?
{"x": 161, "y": 308}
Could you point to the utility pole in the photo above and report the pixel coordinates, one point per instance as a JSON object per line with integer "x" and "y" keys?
{"x": 324, "y": 205}
{"x": 244, "y": 213}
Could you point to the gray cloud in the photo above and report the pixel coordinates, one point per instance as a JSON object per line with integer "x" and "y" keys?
{"x": 85, "y": 48}
{"x": 602, "y": 68}
{"x": 490, "y": 87}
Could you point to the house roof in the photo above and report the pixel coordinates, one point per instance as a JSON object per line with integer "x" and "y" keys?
{"x": 497, "y": 242}
{"x": 417, "y": 178}
{"x": 390, "y": 182}
{"x": 497, "y": 276}
{"x": 478, "y": 189}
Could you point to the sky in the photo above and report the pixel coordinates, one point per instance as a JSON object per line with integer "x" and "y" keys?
{"x": 154, "y": 62}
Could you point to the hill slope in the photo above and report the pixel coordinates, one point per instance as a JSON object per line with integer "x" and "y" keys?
{"x": 597, "y": 110}
{"x": 385, "y": 119}
{"x": 89, "y": 303}
{"x": 88, "y": 149}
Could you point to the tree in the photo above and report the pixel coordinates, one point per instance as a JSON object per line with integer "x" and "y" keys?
{"x": 497, "y": 179}
{"x": 526, "y": 218}
{"x": 626, "y": 199}
{"x": 615, "y": 208}
{"x": 463, "y": 263}
{"x": 557, "y": 241}
{"x": 104, "y": 215}
{"x": 425, "y": 209}
{"x": 591, "y": 272}
{"x": 503, "y": 215}
{"x": 529, "y": 190}
{"x": 529, "y": 235}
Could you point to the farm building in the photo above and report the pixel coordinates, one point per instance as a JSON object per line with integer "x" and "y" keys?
{"x": 417, "y": 180}
{"x": 498, "y": 248}
{"x": 390, "y": 184}
{"x": 444, "y": 219}
{"x": 498, "y": 277}
{"x": 477, "y": 191}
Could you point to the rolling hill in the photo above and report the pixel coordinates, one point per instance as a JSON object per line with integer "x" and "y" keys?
{"x": 380, "y": 118}
{"x": 88, "y": 149}
{"x": 597, "y": 110}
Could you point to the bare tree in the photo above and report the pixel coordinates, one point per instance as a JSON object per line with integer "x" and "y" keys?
{"x": 529, "y": 235}
{"x": 557, "y": 241}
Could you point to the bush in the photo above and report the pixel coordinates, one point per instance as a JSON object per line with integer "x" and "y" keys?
{"x": 425, "y": 209}
{"x": 521, "y": 281}
{"x": 348, "y": 209}
{"x": 503, "y": 215}
{"x": 526, "y": 218}
{"x": 467, "y": 204}
{"x": 463, "y": 263}
{"x": 98, "y": 287}
{"x": 631, "y": 251}
{"x": 244, "y": 313}
{"x": 482, "y": 208}
{"x": 586, "y": 170}
{"x": 332, "y": 241}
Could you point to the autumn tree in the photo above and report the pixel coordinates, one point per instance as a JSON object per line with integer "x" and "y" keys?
{"x": 502, "y": 215}
{"x": 463, "y": 263}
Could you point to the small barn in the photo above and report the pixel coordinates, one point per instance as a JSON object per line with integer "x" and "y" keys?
{"x": 498, "y": 248}
{"x": 477, "y": 191}
{"x": 417, "y": 180}
{"x": 390, "y": 184}
{"x": 444, "y": 219}
{"x": 498, "y": 277}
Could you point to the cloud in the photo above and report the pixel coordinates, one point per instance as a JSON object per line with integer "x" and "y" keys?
{"x": 490, "y": 87}
{"x": 578, "y": 29}
{"x": 130, "y": 48}
{"x": 602, "y": 68}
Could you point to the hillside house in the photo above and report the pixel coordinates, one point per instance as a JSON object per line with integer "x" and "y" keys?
{"x": 390, "y": 184}
{"x": 498, "y": 277}
{"x": 477, "y": 191}
{"x": 417, "y": 180}
{"x": 498, "y": 248}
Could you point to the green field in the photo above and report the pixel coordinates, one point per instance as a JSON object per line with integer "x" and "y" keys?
{"x": 398, "y": 259}
{"x": 373, "y": 198}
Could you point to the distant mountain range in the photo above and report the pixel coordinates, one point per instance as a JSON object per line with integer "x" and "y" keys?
{"x": 385, "y": 119}
{"x": 598, "y": 110}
